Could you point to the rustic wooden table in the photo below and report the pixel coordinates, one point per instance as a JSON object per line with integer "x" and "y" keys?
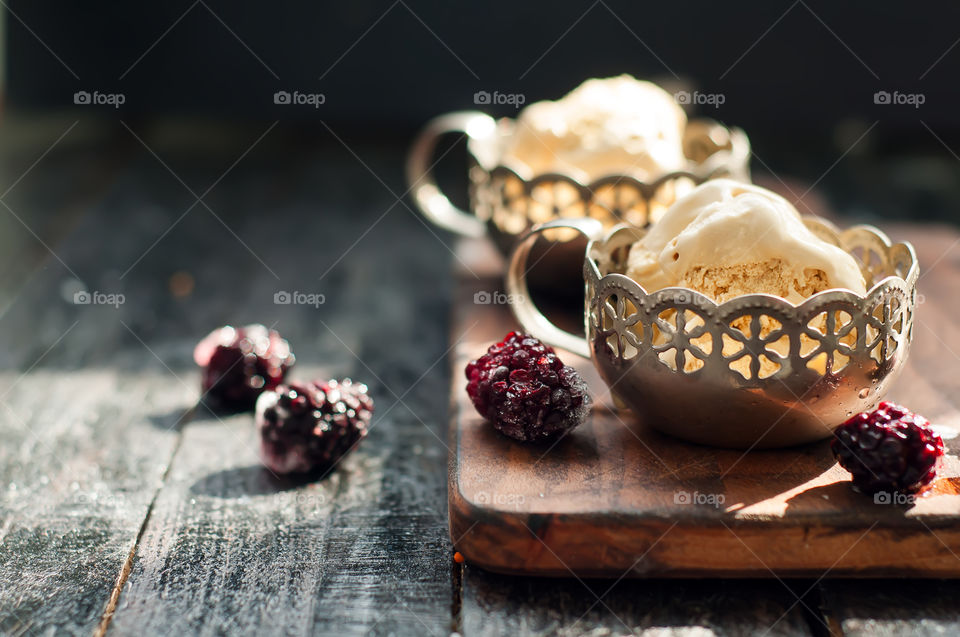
{"x": 124, "y": 510}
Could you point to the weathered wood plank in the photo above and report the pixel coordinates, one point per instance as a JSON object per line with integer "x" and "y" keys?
{"x": 496, "y": 604}
{"x": 227, "y": 548}
{"x": 885, "y": 608}
{"x": 81, "y": 463}
{"x": 107, "y": 406}
{"x": 87, "y": 415}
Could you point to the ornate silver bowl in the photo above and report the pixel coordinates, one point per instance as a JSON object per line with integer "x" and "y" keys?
{"x": 506, "y": 202}
{"x": 753, "y": 372}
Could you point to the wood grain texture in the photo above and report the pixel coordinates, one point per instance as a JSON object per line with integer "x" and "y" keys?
{"x": 228, "y": 548}
{"x": 81, "y": 463}
{"x": 884, "y": 608}
{"x": 86, "y": 416}
{"x": 379, "y": 557}
{"x": 495, "y": 604}
{"x": 615, "y": 497}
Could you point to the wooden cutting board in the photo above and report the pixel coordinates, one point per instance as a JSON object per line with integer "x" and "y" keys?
{"x": 615, "y": 498}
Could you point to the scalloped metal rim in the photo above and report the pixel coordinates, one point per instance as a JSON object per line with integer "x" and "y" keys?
{"x": 768, "y": 300}
{"x": 724, "y": 161}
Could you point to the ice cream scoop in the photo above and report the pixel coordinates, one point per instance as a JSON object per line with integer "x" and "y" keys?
{"x": 725, "y": 239}
{"x": 618, "y": 125}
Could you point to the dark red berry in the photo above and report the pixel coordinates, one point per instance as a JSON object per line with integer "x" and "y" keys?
{"x": 525, "y": 390}
{"x": 306, "y": 427}
{"x": 888, "y": 450}
{"x": 240, "y": 363}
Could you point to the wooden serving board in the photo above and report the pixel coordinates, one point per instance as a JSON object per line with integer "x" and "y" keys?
{"x": 615, "y": 498}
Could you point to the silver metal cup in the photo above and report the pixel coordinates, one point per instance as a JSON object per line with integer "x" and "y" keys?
{"x": 505, "y": 203}
{"x": 701, "y": 371}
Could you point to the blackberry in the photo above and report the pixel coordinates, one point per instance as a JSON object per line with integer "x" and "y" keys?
{"x": 889, "y": 449}
{"x": 307, "y": 427}
{"x": 525, "y": 390}
{"x": 240, "y": 363}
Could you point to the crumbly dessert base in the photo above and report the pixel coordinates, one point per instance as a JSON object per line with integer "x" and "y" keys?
{"x": 762, "y": 277}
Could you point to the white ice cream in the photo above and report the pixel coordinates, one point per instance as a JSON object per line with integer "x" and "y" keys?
{"x": 726, "y": 239}
{"x": 618, "y": 125}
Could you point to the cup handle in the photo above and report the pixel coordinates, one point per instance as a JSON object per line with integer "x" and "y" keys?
{"x": 526, "y": 312}
{"x": 435, "y": 205}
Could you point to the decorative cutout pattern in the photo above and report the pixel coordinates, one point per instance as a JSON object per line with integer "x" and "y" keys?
{"x": 513, "y": 204}
{"x": 755, "y": 340}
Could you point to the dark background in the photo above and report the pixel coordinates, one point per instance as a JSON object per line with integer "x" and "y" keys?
{"x": 800, "y": 76}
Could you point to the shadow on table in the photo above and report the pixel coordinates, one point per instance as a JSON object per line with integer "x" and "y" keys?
{"x": 249, "y": 481}
{"x": 840, "y": 497}
{"x": 173, "y": 420}
{"x": 615, "y": 453}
